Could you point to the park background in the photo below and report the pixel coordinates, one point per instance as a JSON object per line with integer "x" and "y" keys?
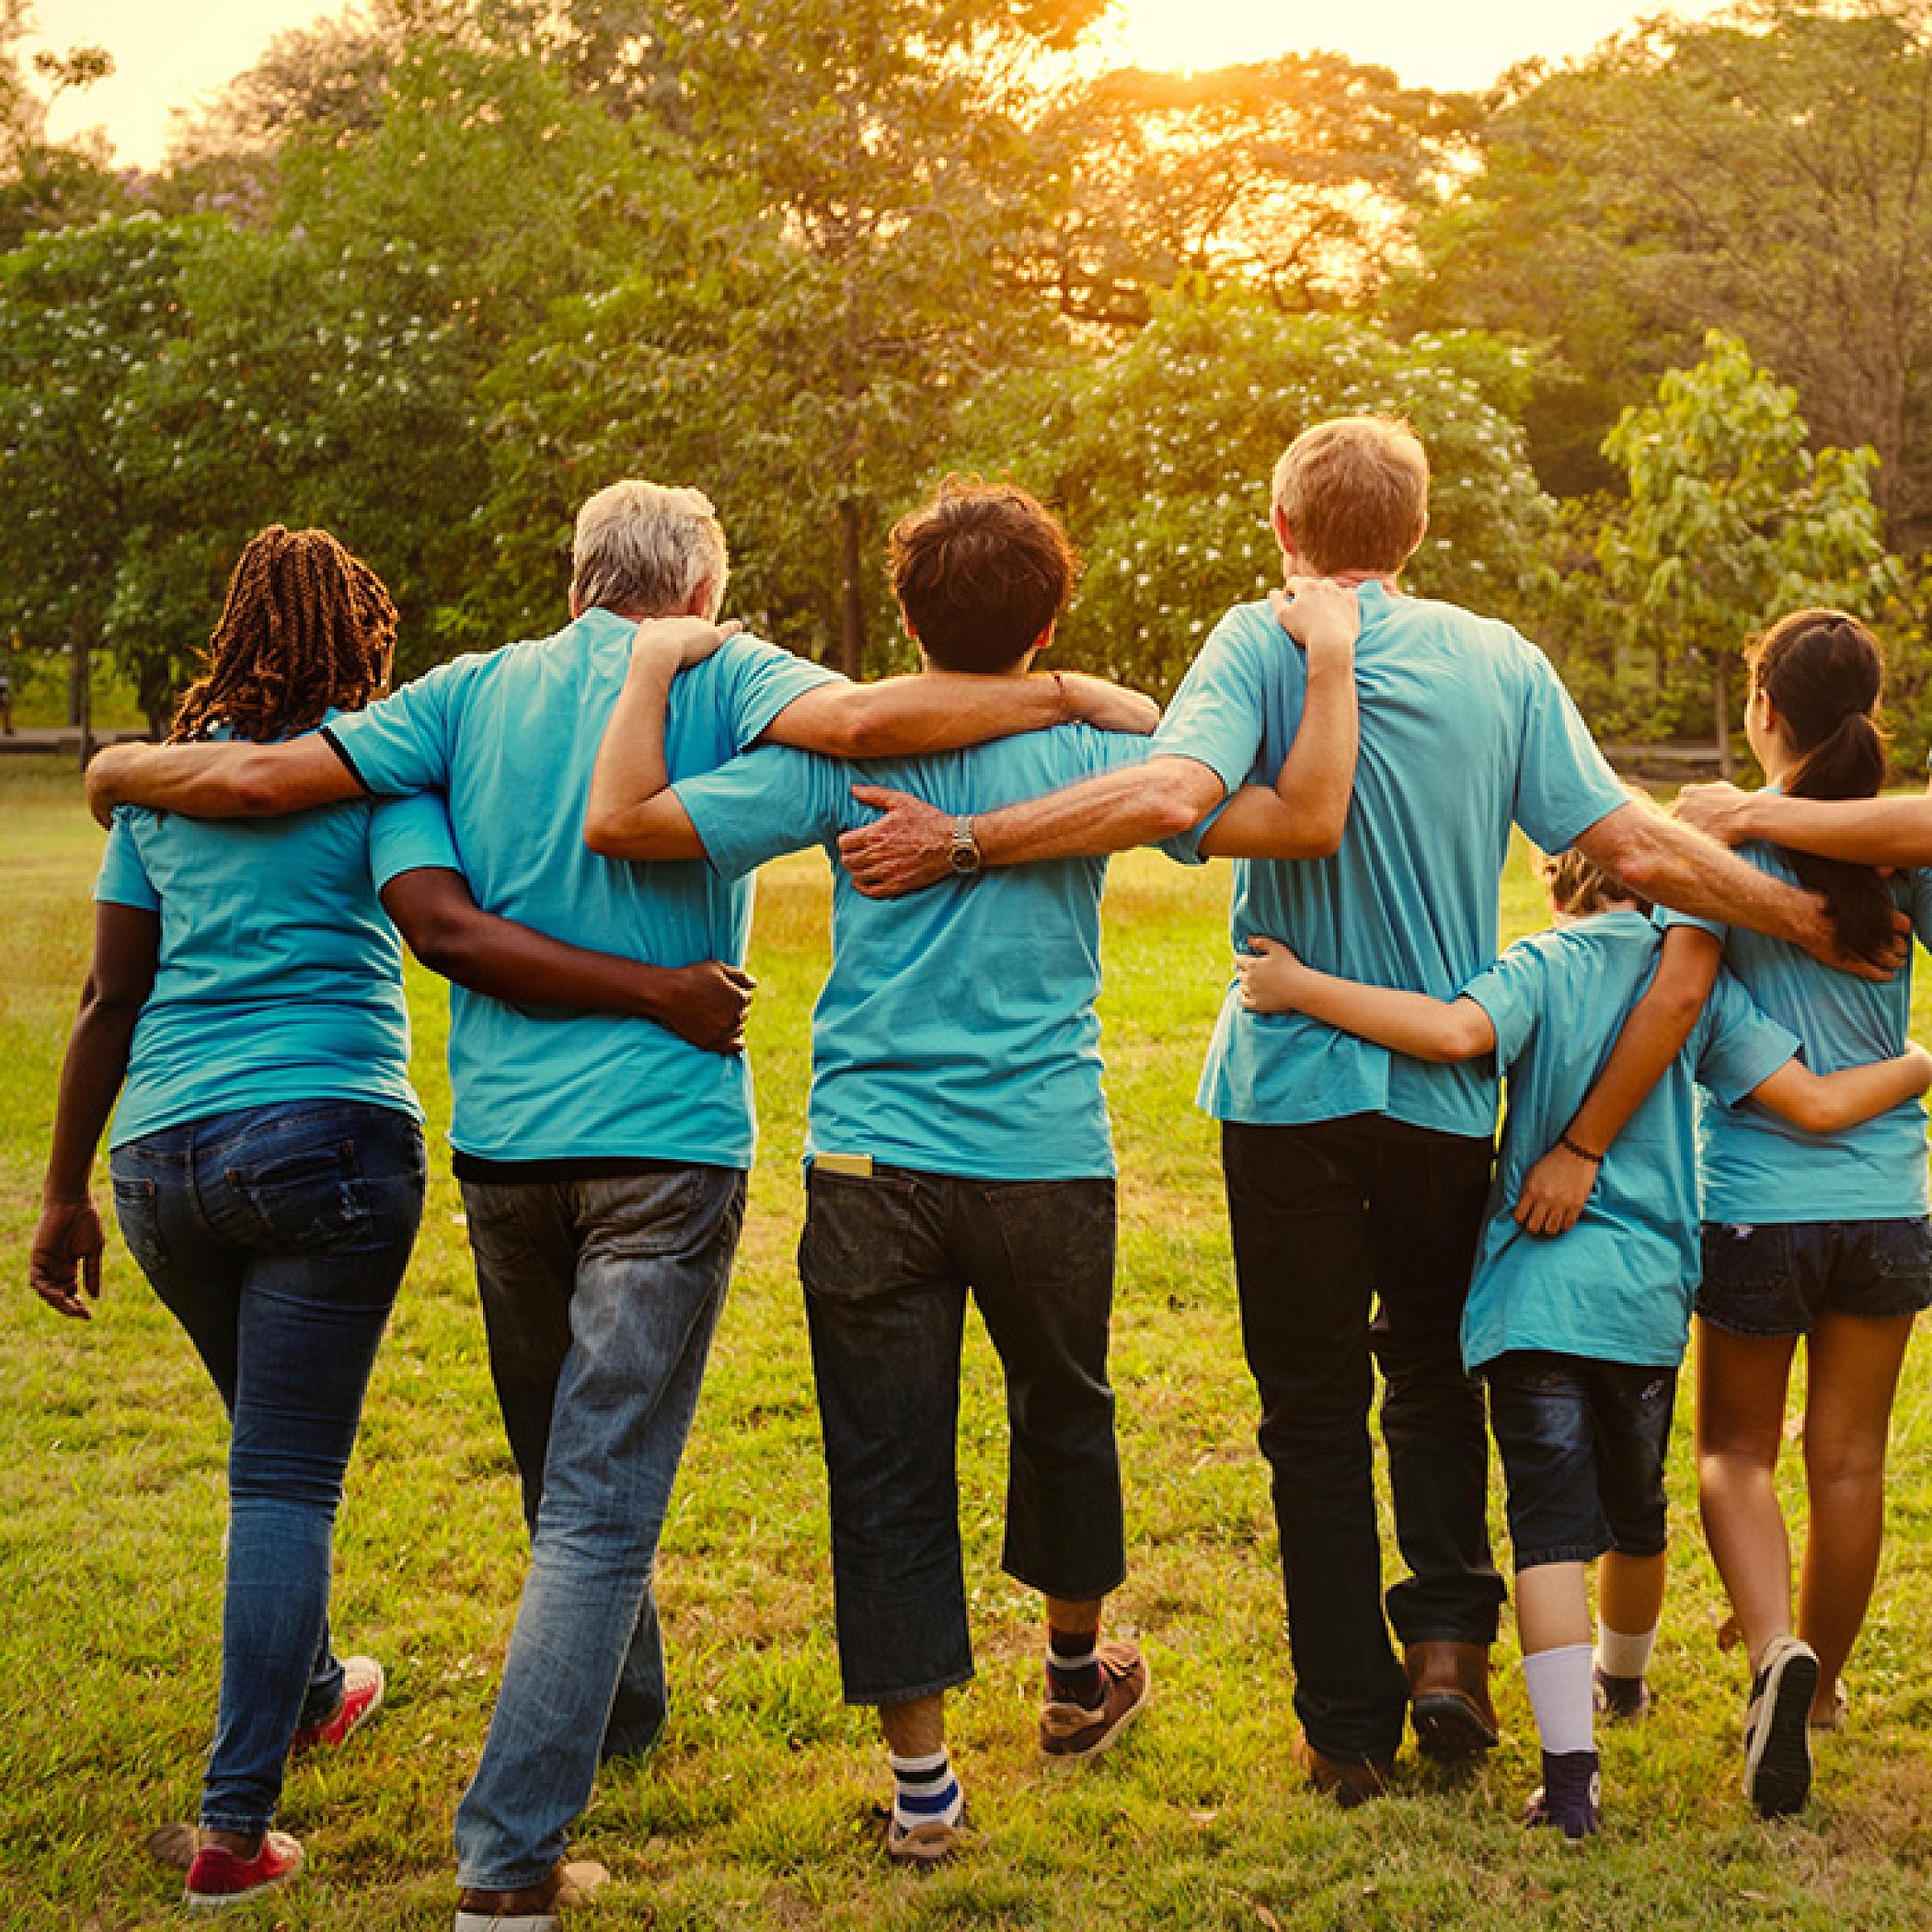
{"x": 429, "y": 273}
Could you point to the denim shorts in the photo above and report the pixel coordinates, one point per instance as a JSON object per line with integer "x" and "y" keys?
{"x": 1583, "y": 1444}
{"x": 1776, "y": 1278}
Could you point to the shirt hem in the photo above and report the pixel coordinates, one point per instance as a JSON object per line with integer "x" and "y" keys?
{"x": 143, "y": 1125}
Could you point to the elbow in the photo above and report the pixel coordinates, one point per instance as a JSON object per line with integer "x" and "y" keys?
{"x": 1812, "y": 1112}
{"x": 1177, "y": 799}
{"x": 1325, "y": 830}
{"x": 440, "y": 940}
{"x": 603, "y": 834}
{"x": 857, "y": 732}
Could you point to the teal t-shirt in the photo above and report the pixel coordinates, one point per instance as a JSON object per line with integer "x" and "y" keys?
{"x": 1757, "y": 1167}
{"x": 279, "y": 975}
{"x": 957, "y": 1033}
{"x": 1465, "y": 730}
{"x": 511, "y": 737}
{"x": 1618, "y": 1287}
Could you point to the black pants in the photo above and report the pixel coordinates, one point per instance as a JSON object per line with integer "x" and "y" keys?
{"x": 887, "y": 1260}
{"x": 1334, "y": 1224}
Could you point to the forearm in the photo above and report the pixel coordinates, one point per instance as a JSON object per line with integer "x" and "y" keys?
{"x": 1674, "y": 866}
{"x": 1411, "y": 1023}
{"x": 91, "y": 1077}
{"x": 1318, "y": 775}
{"x": 1136, "y": 805}
{"x": 229, "y": 780}
{"x": 631, "y": 773}
{"x": 1861, "y": 831}
{"x": 945, "y": 711}
{"x": 1651, "y": 1037}
{"x": 1829, "y": 1103}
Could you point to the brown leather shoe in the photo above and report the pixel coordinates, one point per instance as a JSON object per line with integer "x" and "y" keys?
{"x": 1349, "y": 1781}
{"x": 1449, "y": 1698}
{"x": 534, "y": 1908}
{"x": 1069, "y": 1731}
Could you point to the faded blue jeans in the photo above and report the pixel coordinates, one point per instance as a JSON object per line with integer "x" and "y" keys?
{"x": 600, "y": 1297}
{"x": 277, "y": 1237}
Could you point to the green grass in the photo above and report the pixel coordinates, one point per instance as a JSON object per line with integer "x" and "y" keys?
{"x": 111, "y": 1456}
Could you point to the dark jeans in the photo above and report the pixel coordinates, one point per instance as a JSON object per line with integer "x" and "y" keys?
{"x": 1583, "y": 1444}
{"x": 601, "y": 1297}
{"x": 277, "y": 1237}
{"x": 887, "y": 1263}
{"x": 1333, "y": 1223}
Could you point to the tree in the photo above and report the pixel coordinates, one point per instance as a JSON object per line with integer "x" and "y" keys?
{"x": 1299, "y": 178}
{"x": 1160, "y": 456}
{"x": 46, "y": 183}
{"x": 84, "y": 314}
{"x": 1768, "y": 171}
{"x": 1733, "y": 520}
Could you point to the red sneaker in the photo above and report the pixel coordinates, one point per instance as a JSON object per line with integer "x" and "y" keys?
{"x": 218, "y": 1878}
{"x": 362, "y": 1684}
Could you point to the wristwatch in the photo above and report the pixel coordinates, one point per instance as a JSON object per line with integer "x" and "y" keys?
{"x": 965, "y": 855}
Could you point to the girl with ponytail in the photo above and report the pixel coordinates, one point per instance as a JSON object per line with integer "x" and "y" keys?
{"x": 1819, "y": 1238}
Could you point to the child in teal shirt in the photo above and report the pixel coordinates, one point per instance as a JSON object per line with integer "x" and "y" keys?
{"x": 1580, "y": 1339}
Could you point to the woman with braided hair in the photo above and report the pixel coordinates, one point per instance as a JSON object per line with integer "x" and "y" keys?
{"x": 245, "y": 1003}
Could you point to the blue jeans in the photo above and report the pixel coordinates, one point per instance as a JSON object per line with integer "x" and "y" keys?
{"x": 277, "y": 1237}
{"x": 600, "y": 1297}
{"x": 1776, "y": 1278}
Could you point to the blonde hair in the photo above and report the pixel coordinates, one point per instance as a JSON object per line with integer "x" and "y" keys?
{"x": 644, "y": 549}
{"x": 1577, "y": 885}
{"x": 1355, "y": 493}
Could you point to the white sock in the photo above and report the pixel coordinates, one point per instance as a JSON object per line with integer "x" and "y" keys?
{"x": 925, "y": 1791}
{"x": 1562, "y": 1696}
{"x": 1621, "y": 1654}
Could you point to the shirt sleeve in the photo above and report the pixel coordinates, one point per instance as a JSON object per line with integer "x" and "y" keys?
{"x": 761, "y": 679}
{"x": 1666, "y": 919}
{"x": 1512, "y": 993}
{"x": 411, "y": 835}
{"x": 773, "y": 800}
{"x": 1216, "y": 716}
{"x": 406, "y": 742}
{"x": 1563, "y": 783}
{"x": 123, "y": 879}
{"x": 1918, "y": 903}
{"x": 1738, "y": 1047}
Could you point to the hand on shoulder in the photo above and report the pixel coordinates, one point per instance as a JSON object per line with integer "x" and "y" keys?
{"x": 1323, "y": 618}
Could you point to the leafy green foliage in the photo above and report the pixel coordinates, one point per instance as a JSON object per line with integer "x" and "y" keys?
{"x": 1160, "y": 456}
{"x": 1733, "y": 519}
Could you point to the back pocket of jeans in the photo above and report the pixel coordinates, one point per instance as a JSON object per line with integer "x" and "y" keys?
{"x": 313, "y": 1198}
{"x": 857, "y": 1233}
{"x": 136, "y": 1209}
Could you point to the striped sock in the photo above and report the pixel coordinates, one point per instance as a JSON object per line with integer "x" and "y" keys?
{"x": 925, "y": 1791}
{"x": 1073, "y": 1668}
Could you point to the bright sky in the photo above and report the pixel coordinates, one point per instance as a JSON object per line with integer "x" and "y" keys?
{"x": 168, "y": 51}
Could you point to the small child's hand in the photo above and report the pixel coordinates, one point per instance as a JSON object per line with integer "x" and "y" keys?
{"x": 1268, "y": 973}
{"x": 1323, "y": 618}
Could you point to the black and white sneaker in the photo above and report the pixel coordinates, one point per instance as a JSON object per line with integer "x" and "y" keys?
{"x": 1777, "y": 1735}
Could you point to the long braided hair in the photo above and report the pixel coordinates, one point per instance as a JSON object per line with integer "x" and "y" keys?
{"x": 307, "y": 626}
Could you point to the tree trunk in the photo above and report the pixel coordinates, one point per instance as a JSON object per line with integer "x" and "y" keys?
{"x": 81, "y": 690}
{"x": 852, "y": 595}
{"x": 1720, "y": 703}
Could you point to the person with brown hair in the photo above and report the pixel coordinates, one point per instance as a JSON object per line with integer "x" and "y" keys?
{"x": 245, "y": 1003}
{"x": 1355, "y": 1177}
{"x": 958, "y": 1146}
{"x": 1829, "y": 1244}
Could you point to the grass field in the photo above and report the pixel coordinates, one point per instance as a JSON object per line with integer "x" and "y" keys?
{"x": 111, "y": 1509}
